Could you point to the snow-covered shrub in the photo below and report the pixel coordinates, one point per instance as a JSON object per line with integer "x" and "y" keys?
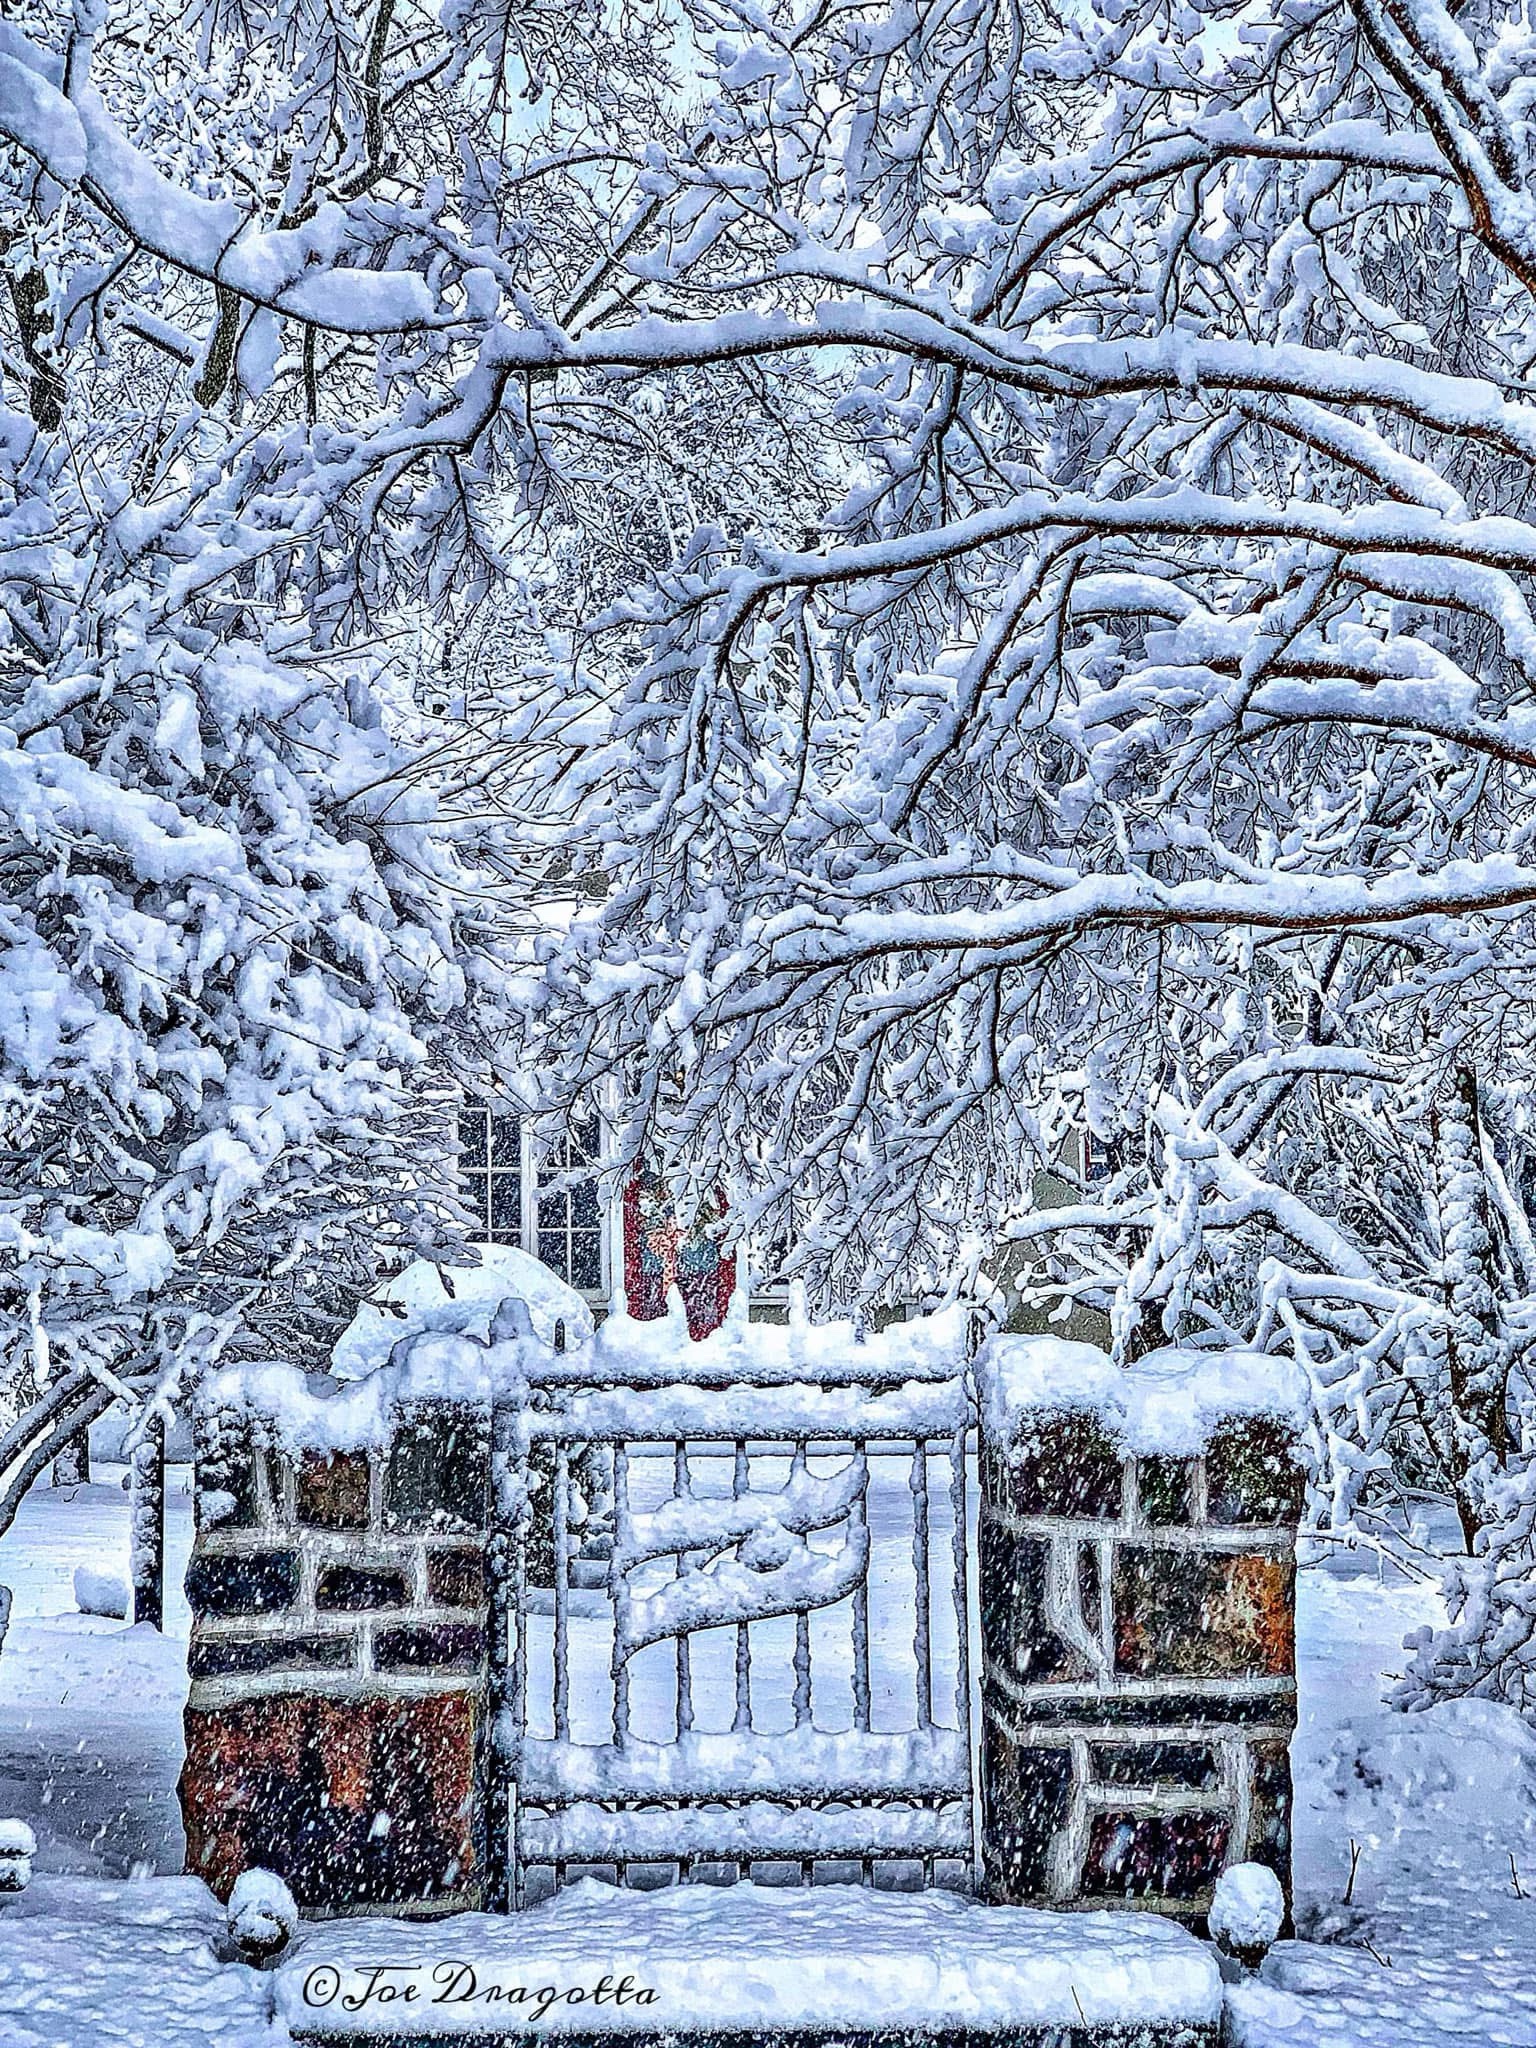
{"x": 99, "y": 1592}
{"x": 263, "y": 1917}
{"x": 1247, "y": 1912}
{"x": 236, "y": 936}
{"x": 18, "y": 1845}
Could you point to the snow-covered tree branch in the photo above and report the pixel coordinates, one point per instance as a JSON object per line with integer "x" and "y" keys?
{"x": 986, "y": 554}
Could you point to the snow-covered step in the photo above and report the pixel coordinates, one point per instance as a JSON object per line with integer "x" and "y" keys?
{"x": 750, "y": 1964}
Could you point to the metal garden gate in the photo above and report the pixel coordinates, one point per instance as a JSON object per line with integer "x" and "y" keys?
{"x": 736, "y": 1627}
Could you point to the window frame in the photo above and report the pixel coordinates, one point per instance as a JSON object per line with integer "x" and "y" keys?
{"x": 478, "y": 1178}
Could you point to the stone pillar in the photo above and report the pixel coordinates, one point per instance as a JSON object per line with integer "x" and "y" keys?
{"x": 338, "y": 1666}
{"x": 1138, "y": 1655}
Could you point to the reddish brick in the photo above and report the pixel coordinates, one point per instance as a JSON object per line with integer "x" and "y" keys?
{"x": 455, "y": 1578}
{"x": 354, "y": 1802}
{"x": 1163, "y": 1855}
{"x": 1203, "y": 1614}
{"x": 331, "y": 1492}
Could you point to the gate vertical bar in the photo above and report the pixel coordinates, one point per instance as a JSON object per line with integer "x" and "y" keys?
{"x": 801, "y": 1696}
{"x": 504, "y": 1666}
{"x": 683, "y": 1489}
{"x": 621, "y": 1541}
{"x": 562, "y": 1574}
{"x": 859, "y": 1520}
{"x": 742, "y": 1723}
{"x": 961, "y": 1580}
{"x": 922, "y": 1632}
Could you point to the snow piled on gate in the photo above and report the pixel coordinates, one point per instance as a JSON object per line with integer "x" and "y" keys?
{"x": 490, "y": 1340}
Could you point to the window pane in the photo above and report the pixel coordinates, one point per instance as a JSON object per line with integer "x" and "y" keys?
{"x": 506, "y": 1203}
{"x": 472, "y": 1137}
{"x": 584, "y": 1140}
{"x": 553, "y": 1212}
{"x": 506, "y": 1141}
{"x": 554, "y": 1251}
{"x": 586, "y": 1259}
{"x": 477, "y": 1194}
{"x": 584, "y": 1204}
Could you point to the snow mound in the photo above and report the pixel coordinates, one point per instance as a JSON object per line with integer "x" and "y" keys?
{"x": 263, "y": 1917}
{"x": 97, "y": 1963}
{"x": 18, "y": 1845}
{"x": 1248, "y": 1909}
{"x": 419, "y": 1301}
{"x": 749, "y": 1958}
{"x": 98, "y": 1592}
{"x": 1169, "y": 1403}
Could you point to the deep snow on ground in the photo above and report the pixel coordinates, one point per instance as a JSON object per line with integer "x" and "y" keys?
{"x": 1437, "y": 1947}
{"x": 90, "y": 1709}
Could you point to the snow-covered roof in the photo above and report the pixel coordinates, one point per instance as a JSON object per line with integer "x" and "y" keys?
{"x": 419, "y": 1299}
{"x": 1169, "y": 1402}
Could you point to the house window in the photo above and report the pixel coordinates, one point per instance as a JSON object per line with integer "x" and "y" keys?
{"x": 491, "y": 1167}
{"x": 1099, "y": 1158}
{"x": 514, "y": 1199}
{"x": 568, "y": 1221}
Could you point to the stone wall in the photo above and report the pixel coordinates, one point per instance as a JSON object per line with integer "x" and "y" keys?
{"x": 333, "y": 1724}
{"x": 1138, "y": 1673}
{"x": 1135, "y": 1571}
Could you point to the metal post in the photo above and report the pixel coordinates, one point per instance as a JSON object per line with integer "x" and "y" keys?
{"x": 146, "y": 1522}
{"x": 502, "y": 1729}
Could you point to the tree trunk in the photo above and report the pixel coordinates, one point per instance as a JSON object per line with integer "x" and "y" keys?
{"x": 1477, "y": 1357}
{"x": 72, "y": 1467}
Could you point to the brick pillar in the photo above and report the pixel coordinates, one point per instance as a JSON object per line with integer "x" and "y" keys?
{"x": 338, "y": 1666}
{"x": 1138, "y": 1663}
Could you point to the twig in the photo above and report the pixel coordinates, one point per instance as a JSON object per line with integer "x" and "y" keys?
{"x": 1385, "y": 1961}
{"x": 1354, "y": 1865}
{"x": 1514, "y": 1876}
